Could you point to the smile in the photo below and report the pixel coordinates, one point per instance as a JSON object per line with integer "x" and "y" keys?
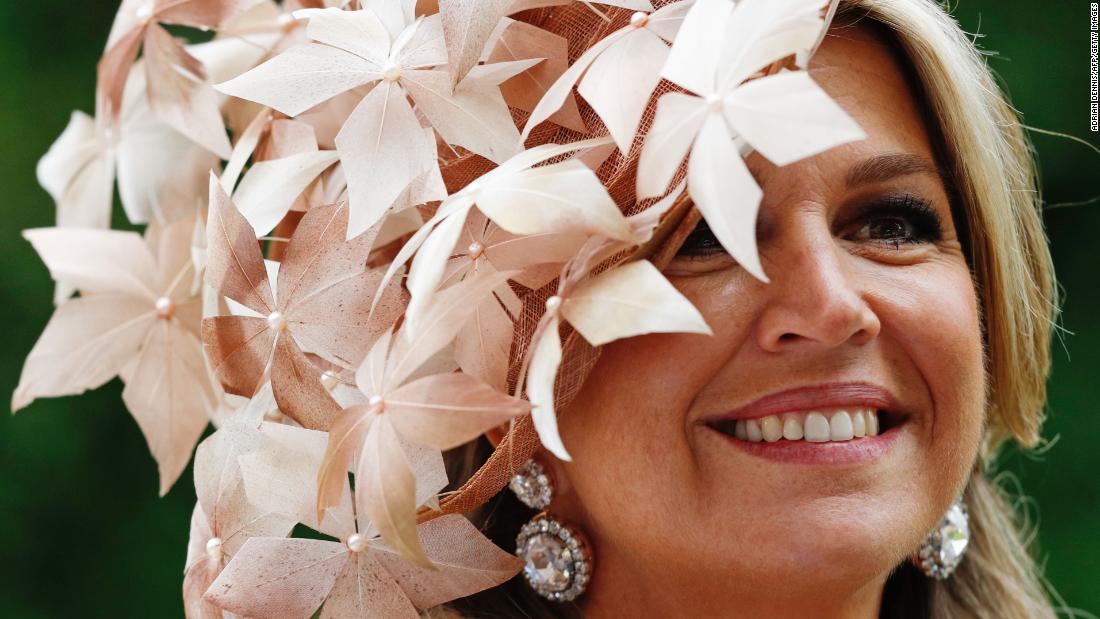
{"x": 847, "y": 435}
{"x": 838, "y": 422}
{"x": 818, "y": 426}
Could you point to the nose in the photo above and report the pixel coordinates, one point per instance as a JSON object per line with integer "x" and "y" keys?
{"x": 812, "y": 299}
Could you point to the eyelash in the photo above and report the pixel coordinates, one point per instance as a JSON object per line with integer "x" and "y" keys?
{"x": 922, "y": 222}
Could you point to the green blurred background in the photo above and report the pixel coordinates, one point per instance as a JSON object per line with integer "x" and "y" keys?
{"x": 82, "y": 532}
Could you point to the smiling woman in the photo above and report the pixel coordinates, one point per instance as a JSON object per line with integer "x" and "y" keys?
{"x": 793, "y": 463}
{"x": 742, "y": 320}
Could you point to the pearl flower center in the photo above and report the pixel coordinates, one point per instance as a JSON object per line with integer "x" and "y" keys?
{"x": 165, "y": 308}
{"x": 391, "y": 72}
{"x": 214, "y": 547}
{"x": 144, "y": 12}
{"x": 476, "y": 250}
{"x": 276, "y": 322}
{"x": 357, "y": 543}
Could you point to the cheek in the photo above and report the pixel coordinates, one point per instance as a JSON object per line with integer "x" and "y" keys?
{"x": 932, "y": 315}
{"x": 628, "y": 432}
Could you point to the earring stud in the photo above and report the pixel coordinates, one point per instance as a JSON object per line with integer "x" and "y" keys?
{"x": 943, "y": 548}
{"x": 532, "y": 486}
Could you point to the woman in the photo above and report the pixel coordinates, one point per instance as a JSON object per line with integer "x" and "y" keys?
{"x": 909, "y": 275}
{"x": 878, "y": 329}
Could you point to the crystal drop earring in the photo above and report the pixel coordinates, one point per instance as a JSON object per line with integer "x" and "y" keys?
{"x": 558, "y": 557}
{"x": 943, "y": 548}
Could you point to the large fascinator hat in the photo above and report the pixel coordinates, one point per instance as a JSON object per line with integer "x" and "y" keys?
{"x": 378, "y": 229}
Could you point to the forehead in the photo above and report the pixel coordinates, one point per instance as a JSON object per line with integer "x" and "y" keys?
{"x": 858, "y": 68}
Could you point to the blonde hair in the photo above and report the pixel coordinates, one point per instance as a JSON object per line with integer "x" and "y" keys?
{"x": 992, "y": 166}
{"x": 982, "y": 144}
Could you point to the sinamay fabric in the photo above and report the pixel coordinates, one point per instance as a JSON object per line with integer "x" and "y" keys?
{"x": 330, "y": 353}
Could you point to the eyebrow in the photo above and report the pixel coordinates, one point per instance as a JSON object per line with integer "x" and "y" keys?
{"x": 885, "y": 167}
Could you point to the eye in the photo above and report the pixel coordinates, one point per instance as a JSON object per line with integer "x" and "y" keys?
{"x": 896, "y": 220}
{"x": 700, "y": 243}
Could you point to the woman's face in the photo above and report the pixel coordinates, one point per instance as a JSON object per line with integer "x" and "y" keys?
{"x": 869, "y": 285}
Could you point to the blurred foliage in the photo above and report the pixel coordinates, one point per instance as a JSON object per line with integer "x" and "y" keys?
{"x": 82, "y": 530}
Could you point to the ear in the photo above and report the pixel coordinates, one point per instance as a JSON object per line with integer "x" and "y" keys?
{"x": 496, "y": 435}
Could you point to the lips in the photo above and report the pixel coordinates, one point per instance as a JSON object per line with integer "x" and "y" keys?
{"x": 806, "y": 406}
{"x": 814, "y": 397}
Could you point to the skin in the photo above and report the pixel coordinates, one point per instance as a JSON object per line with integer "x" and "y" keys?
{"x": 682, "y": 523}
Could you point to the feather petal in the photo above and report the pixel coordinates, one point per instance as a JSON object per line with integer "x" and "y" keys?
{"x": 630, "y": 300}
{"x": 383, "y": 150}
{"x": 301, "y": 78}
{"x": 787, "y": 117}
{"x": 725, "y": 193}
{"x": 677, "y": 122}
{"x": 541, "y": 376}
{"x": 447, "y": 410}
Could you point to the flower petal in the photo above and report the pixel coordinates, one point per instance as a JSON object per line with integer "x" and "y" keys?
{"x": 383, "y": 150}
{"x": 276, "y": 577}
{"x": 520, "y": 41}
{"x": 761, "y": 32}
{"x": 467, "y": 25}
{"x": 447, "y": 410}
{"x": 677, "y": 122}
{"x": 360, "y": 32}
{"x": 239, "y": 349}
{"x": 235, "y": 266}
{"x": 696, "y": 53}
{"x": 366, "y": 589}
{"x": 97, "y": 260}
{"x": 385, "y": 489}
{"x": 621, "y": 81}
{"x": 301, "y": 78}
{"x": 464, "y": 562}
{"x": 181, "y": 95}
{"x": 561, "y": 197}
{"x": 630, "y": 300}
{"x": 541, "y": 376}
{"x": 448, "y": 311}
{"x": 86, "y": 343}
{"x": 345, "y": 440}
{"x": 475, "y": 118}
{"x": 171, "y": 395}
{"x": 561, "y": 90}
{"x": 787, "y": 117}
{"x": 298, "y": 389}
{"x": 267, "y": 192}
{"x": 725, "y": 193}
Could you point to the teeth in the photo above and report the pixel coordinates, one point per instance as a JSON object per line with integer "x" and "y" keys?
{"x": 840, "y": 427}
{"x": 752, "y": 429}
{"x": 740, "y": 431}
{"x": 815, "y": 426}
{"x": 859, "y": 425}
{"x": 792, "y": 428}
{"x": 771, "y": 428}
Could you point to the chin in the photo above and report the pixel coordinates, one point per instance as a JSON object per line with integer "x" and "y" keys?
{"x": 835, "y": 538}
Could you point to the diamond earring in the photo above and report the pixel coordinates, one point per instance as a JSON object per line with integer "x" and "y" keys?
{"x": 943, "y": 548}
{"x": 558, "y": 560}
{"x": 532, "y": 486}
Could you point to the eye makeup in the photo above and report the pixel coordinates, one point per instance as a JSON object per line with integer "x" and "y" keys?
{"x": 897, "y": 219}
{"x": 892, "y": 219}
